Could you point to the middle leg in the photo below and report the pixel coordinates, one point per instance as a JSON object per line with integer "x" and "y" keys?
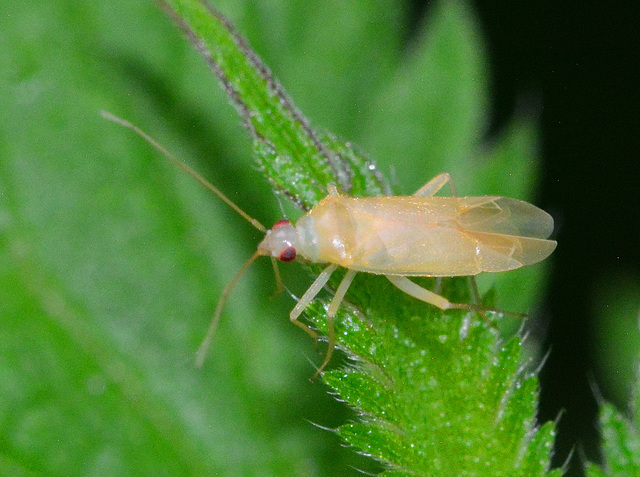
{"x": 432, "y": 187}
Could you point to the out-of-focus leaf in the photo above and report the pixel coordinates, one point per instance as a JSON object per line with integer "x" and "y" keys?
{"x": 620, "y": 441}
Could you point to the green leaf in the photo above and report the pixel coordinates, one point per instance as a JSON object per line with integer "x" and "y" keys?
{"x": 298, "y": 161}
{"x": 431, "y": 112}
{"x": 435, "y": 395}
{"x": 615, "y": 304}
{"x": 620, "y": 441}
{"x": 112, "y": 264}
{"x": 113, "y": 260}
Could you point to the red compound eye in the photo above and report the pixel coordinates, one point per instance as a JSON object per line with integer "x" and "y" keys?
{"x": 287, "y": 254}
{"x": 280, "y": 223}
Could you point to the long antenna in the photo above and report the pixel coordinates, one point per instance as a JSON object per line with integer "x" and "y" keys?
{"x": 184, "y": 167}
{"x": 206, "y": 343}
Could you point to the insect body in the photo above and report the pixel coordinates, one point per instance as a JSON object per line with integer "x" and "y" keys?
{"x": 419, "y": 235}
{"x": 399, "y": 237}
{"x": 424, "y": 236}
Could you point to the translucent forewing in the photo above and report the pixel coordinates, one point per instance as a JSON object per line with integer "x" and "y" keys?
{"x": 510, "y": 233}
{"x": 427, "y": 236}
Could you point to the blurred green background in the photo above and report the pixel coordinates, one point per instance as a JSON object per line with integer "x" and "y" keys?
{"x": 112, "y": 260}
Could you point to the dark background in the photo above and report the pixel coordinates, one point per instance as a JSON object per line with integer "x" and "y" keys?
{"x": 580, "y": 61}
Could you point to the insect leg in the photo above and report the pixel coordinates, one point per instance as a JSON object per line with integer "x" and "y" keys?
{"x": 308, "y": 296}
{"x": 474, "y": 289}
{"x": 332, "y": 189}
{"x": 333, "y": 309}
{"x": 435, "y": 184}
{"x": 438, "y": 286}
{"x": 278, "y": 278}
{"x": 430, "y": 189}
{"x": 422, "y": 294}
{"x": 416, "y": 291}
{"x": 206, "y": 343}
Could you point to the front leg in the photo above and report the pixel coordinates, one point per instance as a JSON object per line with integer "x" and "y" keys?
{"x": 308, "y": 297}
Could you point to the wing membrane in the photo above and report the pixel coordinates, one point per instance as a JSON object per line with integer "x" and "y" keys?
{"x": 499, "y": 252}
{"x": 501, "y": 215}
{"x": 434, "y": 236}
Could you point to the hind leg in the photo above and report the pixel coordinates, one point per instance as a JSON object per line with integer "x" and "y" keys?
{"x": 430, "y": 189}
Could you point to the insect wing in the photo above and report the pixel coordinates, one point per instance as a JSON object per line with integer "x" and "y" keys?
{"x": 510, "y": 233}
{"x": 500, "y": 215}
{"x": 447, "y": 236}
{"x": 412, "y": 236}
{"x": 430, "y": 236}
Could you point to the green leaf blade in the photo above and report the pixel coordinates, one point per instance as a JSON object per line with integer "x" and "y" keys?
{"x": 620, "y": 442}
{"x": 289, "y": 152}
{"x": 129, "y": 262}
{"x": 433, "y": 110}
